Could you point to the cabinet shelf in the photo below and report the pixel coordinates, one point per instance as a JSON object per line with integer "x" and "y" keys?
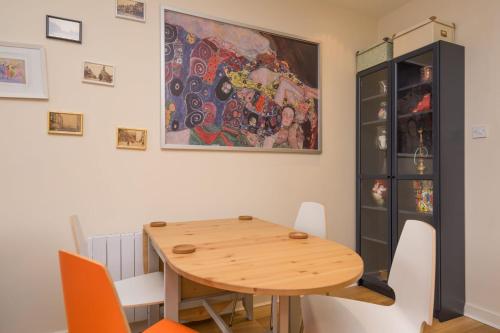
{"x": 415, "y": 213}
{"x": 408, "y": 155}
{"x": 416, "y": 85}
{"x": 374, "y": 122}
{"x": 374, "y": 240}
{"x": 374, "y": 97}
{"x": 414, "y": 114}
{"x": 376, "y": 208}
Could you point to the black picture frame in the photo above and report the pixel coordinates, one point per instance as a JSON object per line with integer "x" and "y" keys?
{"x": 47, "y": 29}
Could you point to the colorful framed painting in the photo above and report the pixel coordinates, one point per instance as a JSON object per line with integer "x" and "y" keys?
{"x": 23, "y": 72}
{"x": 97, "y": 73}
{"x": 226, "y": 86}
{"x": 65, "y": 123}
{"x": 131, "y": 138}
{"x": 131, "y": 10}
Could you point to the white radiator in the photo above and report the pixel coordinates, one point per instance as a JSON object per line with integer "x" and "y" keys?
{"x": 122, "y": 255}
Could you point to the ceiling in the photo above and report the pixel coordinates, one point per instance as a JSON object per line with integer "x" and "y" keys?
{"x": 376, "y": 8}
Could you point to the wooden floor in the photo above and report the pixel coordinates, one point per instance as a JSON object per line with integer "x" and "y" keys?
{"x": 260, "y": 323}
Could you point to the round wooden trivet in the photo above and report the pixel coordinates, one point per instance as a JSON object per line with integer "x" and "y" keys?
{"x": 298, "y": 235}
{"x": 245, "y": 217}
{"x": 157, "y": 224}
{"x": 184, "y": 249}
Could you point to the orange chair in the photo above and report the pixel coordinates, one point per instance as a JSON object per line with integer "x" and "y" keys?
{"x": 92, "y": 305}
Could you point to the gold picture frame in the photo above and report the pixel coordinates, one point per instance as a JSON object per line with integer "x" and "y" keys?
{"x": 65, "y": 123}
{"x": 131, "y": 138}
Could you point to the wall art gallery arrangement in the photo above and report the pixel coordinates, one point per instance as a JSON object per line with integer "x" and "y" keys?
{"x": 225, "y": 86}
{"x": 232, "y": 87}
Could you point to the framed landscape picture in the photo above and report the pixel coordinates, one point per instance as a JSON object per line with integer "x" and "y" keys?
{"x": 65, "y": 123}
{"x": 63, "y": 29}
{"x": 23, "y": 72}
{"x": 98, "y": 73}
{"x": 227, "y": 86}
{"x": 131, "y": 10}
{"x": 132, "y": 138}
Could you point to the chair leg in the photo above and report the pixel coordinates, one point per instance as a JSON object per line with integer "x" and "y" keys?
{"x": 301, "y": 326}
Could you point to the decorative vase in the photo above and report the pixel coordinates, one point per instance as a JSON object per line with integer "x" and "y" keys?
{"x": 381, "y": 138}
{"x": 382, "y": 111}
{"x": 426, "y": 74}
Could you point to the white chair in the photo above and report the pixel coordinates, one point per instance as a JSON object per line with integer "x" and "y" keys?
{"x": 140, "y": 290}
{"x": 310, "y": 219}
{"x": 412, "y": 277}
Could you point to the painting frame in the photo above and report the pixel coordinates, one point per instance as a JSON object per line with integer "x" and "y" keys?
{"x": 51, "y": 130}
{"x": 35, "y": 85}
{"x": 127, "y": 147}
{"x": 98, "y": 82}
{"x": 165, "y": 145}
{"x": 129, "y": 17}
{"x": 48, "y": 32}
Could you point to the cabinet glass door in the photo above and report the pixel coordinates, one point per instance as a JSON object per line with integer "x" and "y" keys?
{"x": 414, "y": 115}
{"x": 374, "y": 228}
{"x": 374, "y": 130}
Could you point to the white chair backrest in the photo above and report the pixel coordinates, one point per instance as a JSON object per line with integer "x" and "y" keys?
{"x": 311, "y": 219}
{"x": 78, "y": 236}
{"x": 413, "y": 271}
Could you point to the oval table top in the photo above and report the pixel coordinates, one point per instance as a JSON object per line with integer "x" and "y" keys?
{"x": 256, "y": 257}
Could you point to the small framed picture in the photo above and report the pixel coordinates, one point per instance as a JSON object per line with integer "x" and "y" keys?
{"x": 64, "y": 29}
{"x": 65, "y": 123}
{"x": 131, "y": 138}
{"x": 23, "y": 71}
{"x": 98, "y": 73}
{"x": 131, "y": 9}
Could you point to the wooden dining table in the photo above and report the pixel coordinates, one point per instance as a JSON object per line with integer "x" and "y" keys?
{"x": 249, "y": 257}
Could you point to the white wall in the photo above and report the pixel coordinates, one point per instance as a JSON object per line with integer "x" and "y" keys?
{"x": 478, "y": 28}
{"x": 44, "y": 179}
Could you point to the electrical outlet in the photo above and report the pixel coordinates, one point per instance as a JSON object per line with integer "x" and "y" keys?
{"x": 479, "y": 132}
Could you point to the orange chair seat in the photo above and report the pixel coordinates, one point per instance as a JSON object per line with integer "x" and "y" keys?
{"x": 167, "y": 326}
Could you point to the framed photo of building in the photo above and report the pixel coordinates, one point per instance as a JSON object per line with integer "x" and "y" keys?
{"x": 131, "y": 138}
{"x": 65, "y": 123}
{"x": 63, "y": 29}
{"x": 23, "y": 72}
{"x": 131, "y": 10}
{"x": 98, "y": 73}
{"x": 229, "y": 86}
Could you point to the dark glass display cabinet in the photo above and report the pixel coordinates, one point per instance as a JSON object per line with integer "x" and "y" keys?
{"x": 410, "y": 165}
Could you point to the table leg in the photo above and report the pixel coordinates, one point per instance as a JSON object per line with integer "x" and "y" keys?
{"x": 274, "y": 314}
{"x": 284, "y": 314}
{"x": 153, "y": 261}
{"x": 295, "y": 314}
{"x": 172, "y": 293}
{"x": 248, "y": 305}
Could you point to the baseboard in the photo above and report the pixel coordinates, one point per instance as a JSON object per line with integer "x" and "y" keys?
{"x": 485, "y": 316}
